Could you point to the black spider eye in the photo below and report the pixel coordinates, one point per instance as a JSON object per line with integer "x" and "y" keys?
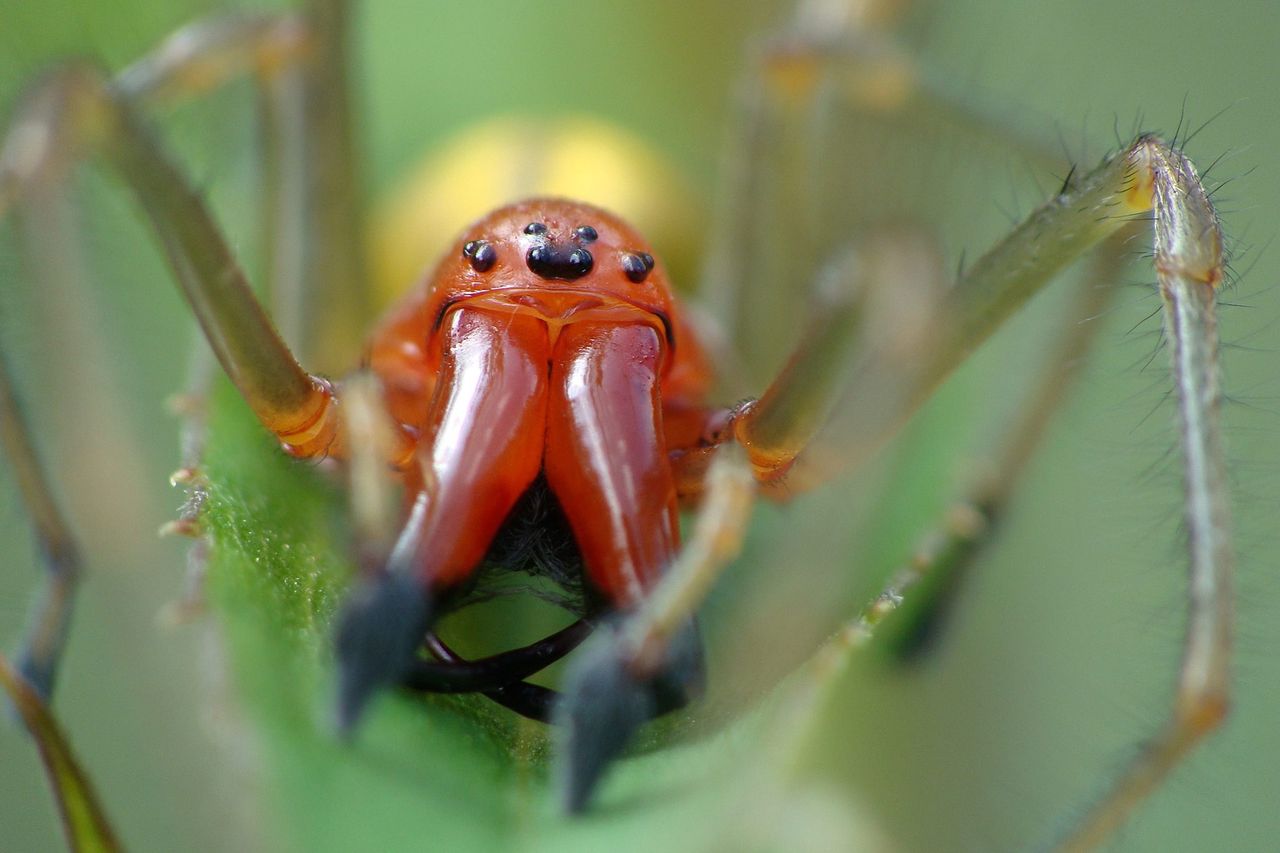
{"x": 586, "y": 233}
{"x": 553, "y": 262}
{"x": 535, "y": 228}
{"x": 481, "y": 255}
{"x": 637, "y": 265}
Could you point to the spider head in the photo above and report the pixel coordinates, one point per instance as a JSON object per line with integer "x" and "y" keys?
{"x": 550, "y": 245}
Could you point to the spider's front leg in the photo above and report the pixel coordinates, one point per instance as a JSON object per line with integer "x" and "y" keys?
{"x": 1189, "y": 270}
{"x": 30, "y": 684}
{"x": 78, "y": 107}
{"x": 77, "y": 110}
{"x": 828, "y": 57}
{"x": 1148, "y": 179}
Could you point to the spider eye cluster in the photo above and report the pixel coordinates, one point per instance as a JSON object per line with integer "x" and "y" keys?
{"x": 554, "y": 259}
{"x": 556, "y": 262}
{"x": 481, "y": 254}
{"x": 566, "y": 261}
{"x": 637, "y": 265}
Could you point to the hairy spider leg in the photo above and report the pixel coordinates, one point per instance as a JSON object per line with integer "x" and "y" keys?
{"x": 1147, "y": 178}
{"x": 926, "y": 585}
{"x": 844, "y": 57}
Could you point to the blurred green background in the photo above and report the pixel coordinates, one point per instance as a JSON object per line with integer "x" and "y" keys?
{"x": 1063, "y": 650}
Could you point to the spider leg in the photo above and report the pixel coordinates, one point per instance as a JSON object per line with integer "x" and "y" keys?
{"x": 1146, "y": 180}
{"x": 874, "y": 323}
{"x": 323, "y": 262}
{"x": 30, "y": 164}
{"x": 795, "y": 185}
{"x": 373, "y": 494}
{"x": 776, "y": 429}
{"x": 307, "y": 187}
{"x": 716, "y": 539}
{"x": 1189, "y": 269}
{"x": 84, "y": 821}
{"x": 78, "y": 107}
{"x": 922, "y": 591}
{"x": 311, "y": 212}
{"x": 47, "y": 634}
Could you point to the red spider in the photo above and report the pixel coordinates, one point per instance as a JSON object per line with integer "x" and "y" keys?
{"x": 547, "y": 357}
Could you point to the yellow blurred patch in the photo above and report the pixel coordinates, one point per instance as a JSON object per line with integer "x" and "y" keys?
{"x": 506, "y": 159}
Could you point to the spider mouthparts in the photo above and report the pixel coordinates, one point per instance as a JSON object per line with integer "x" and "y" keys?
{"x": 605, "y": 701}
{"x": 378, "y": 636}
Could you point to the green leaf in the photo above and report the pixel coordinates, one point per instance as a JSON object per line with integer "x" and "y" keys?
{"x": 460, "y": 773}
